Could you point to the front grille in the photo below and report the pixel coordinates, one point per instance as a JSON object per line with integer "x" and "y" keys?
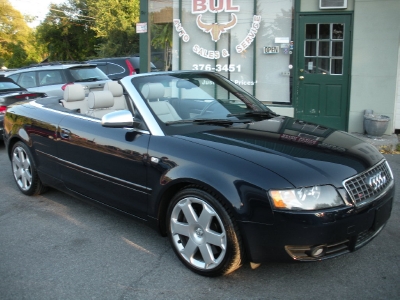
{"x": 367, "y": 186}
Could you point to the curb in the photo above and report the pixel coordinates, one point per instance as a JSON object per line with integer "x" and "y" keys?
{"x": 384, "y": 141}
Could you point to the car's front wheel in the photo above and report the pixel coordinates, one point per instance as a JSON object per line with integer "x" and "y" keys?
{"x": 24, "y": 170}
{"x": 203, "y": 234}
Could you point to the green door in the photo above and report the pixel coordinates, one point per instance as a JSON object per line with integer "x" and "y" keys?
{"x": 322, "y": 80}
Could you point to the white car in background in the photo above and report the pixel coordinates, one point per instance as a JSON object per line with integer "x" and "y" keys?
{"x": 51, "y": 78}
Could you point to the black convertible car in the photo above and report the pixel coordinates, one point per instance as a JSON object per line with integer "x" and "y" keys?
{"x": 208, "y": 165}
{"x": 11, "y": 92}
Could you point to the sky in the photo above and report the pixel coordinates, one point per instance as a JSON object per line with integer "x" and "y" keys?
{"x": 37, "y": 8}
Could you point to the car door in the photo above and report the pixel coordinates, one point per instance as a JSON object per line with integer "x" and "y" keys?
{"x": 104, "y": 164}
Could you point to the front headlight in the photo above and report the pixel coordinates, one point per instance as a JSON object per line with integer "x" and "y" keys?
{"x": 309, "y": 198}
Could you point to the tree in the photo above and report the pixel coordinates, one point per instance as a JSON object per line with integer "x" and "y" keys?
{"x": 115, "y": 26}
{"x": 67, "y": 32}
{"x": 17, "y": 44}
{"x": 162, "y": 39}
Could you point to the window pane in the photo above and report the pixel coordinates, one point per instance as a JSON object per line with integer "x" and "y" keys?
{"x": 311, "y": 48}
{"x": 324, "y": 31}
{"x": 311, "y": 31}
{"x": 28, "y": 80}
{"x": 337, "y": 33}
{"x": 14, "y": 77}
{"x": 115, "y": 69}
{"x": 337, "y": 66}
{"x": 50, "y": 77}
{"x": 323, "y": 49}
{"x": 323, "y": 66}
{"x": 337, "y": 48}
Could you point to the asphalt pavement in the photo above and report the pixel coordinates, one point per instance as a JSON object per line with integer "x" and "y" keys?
{"x": 54, "y": 246}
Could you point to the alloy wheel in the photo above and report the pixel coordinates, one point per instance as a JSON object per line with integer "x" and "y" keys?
{"x": 22, "y": 169}
{"x": 198, "y": 233}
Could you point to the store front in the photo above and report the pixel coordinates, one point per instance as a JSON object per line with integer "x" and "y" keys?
{"x": 295, "y": 56}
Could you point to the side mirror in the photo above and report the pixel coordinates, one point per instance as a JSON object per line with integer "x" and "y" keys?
{"x": 118, "y": 119}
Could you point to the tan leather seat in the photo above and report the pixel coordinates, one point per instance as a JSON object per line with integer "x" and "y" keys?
{"x": 100, "y": 103}
{"x": 119, "y": 99}
{"x": 154, "y": 92}
{"x": 74, "y": 98}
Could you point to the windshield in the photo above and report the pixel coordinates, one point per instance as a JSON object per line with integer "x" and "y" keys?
{"x": 198, "y": 97}
{"x": 87, "y": 74}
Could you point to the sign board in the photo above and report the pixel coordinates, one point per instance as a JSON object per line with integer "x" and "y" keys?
{"x": 282, "y": 40}
{"x": 271, "y": 50}
{"x": 141, "y": 27}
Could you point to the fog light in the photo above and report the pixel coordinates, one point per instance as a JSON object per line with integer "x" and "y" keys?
{"x": 317, "y": 251}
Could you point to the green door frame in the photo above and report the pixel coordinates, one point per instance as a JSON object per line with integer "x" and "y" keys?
{"x": 144, "y": 38}
{"x": 298, "y": 43}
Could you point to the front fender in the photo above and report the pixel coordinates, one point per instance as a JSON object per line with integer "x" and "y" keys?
{"x": 241, "y": 185}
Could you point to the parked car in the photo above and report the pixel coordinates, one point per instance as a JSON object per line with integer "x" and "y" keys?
{"x": 3, "y": 72}
{"x": 51, "y": 78}
{"x": 118, "y": 67}
{"x": 208, "y": 165}
{"x": 11, "y": 92}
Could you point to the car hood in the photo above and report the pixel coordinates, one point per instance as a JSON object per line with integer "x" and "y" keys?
{"x": 303, "y": 153}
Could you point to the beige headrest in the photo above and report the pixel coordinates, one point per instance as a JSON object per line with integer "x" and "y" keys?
{"x": 74, "y": 92}
{"x": 114, "y": 87}
{"x": 100, "y": 99}
{"x": 152, "y": 91}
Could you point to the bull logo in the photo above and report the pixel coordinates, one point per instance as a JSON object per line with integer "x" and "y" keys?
{"x": 216, "y": 29}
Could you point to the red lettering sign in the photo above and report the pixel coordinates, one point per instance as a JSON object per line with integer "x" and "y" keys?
{"x": 214, "y": 6}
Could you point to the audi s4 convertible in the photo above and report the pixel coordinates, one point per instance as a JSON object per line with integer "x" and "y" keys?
{"x": 206, "y": 164}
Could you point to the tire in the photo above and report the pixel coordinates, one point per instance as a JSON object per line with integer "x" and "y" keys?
{"x": 24, "y": 170}
{"x": 203, "y": 234}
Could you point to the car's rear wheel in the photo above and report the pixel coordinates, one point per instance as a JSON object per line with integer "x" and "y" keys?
{"x": 203, "y": 234}
{"x": 24, "y": 170}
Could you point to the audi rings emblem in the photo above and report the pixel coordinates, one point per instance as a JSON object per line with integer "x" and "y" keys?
{"x": 376, "y": 181}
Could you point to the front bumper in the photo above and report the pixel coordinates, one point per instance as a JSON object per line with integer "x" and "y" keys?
{"x": 310, "y": 236}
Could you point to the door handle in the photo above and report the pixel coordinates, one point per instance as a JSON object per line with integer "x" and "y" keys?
{"x": 301, "y": 77}
{"x": 65, "y": 133}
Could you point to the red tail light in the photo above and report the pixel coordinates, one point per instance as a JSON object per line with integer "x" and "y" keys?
{"x": 65, "y": 85}
{"x": 130, "y": 67}
{"x": 3, "y": 109}
{"x": 26, "y": 96}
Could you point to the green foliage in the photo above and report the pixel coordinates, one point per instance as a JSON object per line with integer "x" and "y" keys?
{"x": 74, "y": 30}
{"x": 66, "y": 32}
{"x": 115, "y": 26}
{"x": 17, "y": 44}
{"x": 120, "y": 43}
{"x": 162, "y": 39}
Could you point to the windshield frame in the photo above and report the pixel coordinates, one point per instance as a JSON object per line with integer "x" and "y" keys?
{"x": 236, "y": 95}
